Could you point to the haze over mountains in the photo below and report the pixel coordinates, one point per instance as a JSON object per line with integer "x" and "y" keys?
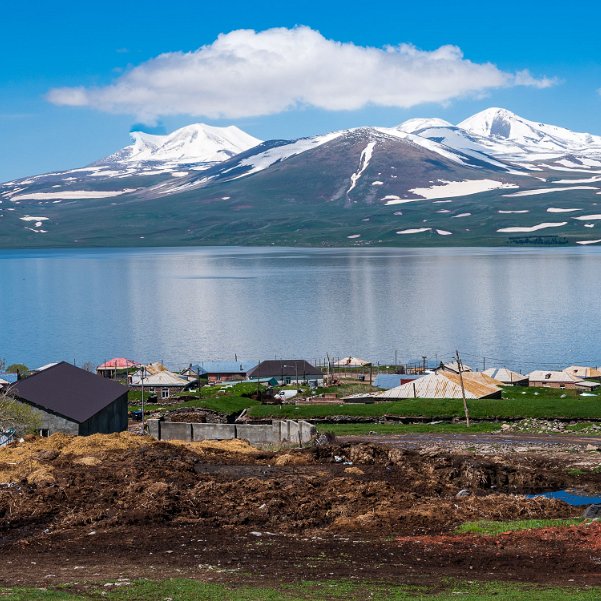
{"x": 493, "y": 179}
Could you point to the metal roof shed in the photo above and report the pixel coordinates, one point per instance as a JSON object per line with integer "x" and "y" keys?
{"x": 445, "y": 385}
{"x": 74, "y": 401}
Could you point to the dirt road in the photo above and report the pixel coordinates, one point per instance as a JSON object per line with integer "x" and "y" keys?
{"x": 407, "y": 441}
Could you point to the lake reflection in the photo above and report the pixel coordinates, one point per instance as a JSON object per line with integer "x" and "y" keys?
{"x": 180, "y": 305}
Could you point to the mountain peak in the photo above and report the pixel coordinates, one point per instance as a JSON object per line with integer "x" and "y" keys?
{"x": 195, "y": 143}
{"x": 501, "y": 124}
{"x": 493, "y": 121}
{"x": 414, "y": 125}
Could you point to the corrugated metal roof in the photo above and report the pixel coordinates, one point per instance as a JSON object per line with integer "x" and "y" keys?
{"x": 581, "y": 371}
{"x": 351, "y": 362}
{"x": 44, "y": 367}
{"x": 445, "y": 385}
{"x": 502, "y": 374}
{"x": 118, "y": 363}
{"x": 162, "y": 378}
{"x": 224, "y": 367}
{"x": 453, "y": 366}
{"x": 555, "y": 377}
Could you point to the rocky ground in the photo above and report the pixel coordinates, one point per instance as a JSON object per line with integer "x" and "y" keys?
{"x": 126, "y": 505}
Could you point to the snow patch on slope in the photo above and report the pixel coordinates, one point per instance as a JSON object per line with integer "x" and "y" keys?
{"x": 547, "y": 191}
{"x": 267, "y": 158}
{"x": 75, "y": 194}
{"x": 534, "y": 228}
{"x": 364, "y": 160}
{"x": 462, "y": 188}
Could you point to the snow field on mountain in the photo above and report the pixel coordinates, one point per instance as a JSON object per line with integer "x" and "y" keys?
{"x": 587, "y": 217}
{"x": 422, "y": 230}
{"x": 547, "y": 191}
{"x": 462, "y": 188}
{"x": 415, "y": 230}
{"x": 364, "y": 160}
{"x": 78, "y": 194}
{"x": 267, "y": 158}
{"x": 533, "y": 228}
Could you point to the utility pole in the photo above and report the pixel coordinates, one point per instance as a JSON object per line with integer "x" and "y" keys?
{"x": 465, "y": 408}
{"x": 142, "y": 380}
{"x": 396, "y": 359}
{"x": 483, "y": 363}
{"x": 424, "y": 363}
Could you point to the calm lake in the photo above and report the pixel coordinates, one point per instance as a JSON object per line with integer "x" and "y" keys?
{"x": 520, "y": 307}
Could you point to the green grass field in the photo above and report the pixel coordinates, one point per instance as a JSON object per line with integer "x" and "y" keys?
{"x": 325, "y": 590}
{"x": 489, "y": 528}
{"x": 366, "y": 428}
{"x": 227, "y": 400}
{"x": 517, "y": 403}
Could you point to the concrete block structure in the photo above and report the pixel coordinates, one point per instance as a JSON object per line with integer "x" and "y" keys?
{"x": 278, "y": 432}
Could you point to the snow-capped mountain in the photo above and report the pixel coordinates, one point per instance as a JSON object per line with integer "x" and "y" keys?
{"x": 487, "y": 180}
{"x": 197, "y": 143}
{"x": 414, "y": 126}
{"x": 500, "y": 129}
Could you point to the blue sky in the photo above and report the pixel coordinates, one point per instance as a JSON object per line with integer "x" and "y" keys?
{"x": 63, "y": 44}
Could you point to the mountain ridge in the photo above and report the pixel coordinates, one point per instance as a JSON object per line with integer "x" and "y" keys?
{"x": 497, "y": 177}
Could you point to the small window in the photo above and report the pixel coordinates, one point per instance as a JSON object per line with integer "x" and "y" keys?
{"x": 44, "y": 432}
{"x": 164, "y": 393}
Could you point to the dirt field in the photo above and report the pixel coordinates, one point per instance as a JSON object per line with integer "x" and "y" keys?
{"x": 81, "y": 509}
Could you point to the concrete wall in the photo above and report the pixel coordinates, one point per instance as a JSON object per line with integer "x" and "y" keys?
{"x": 256, "y": 434}
{"x": 175, "y": 431}
{"x": 284, "y": 431}
{"x": 212, "y": 431}
{"x": 54, "y": 423}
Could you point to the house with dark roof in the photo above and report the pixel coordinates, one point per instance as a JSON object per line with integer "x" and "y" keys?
{"x": 73, "y": 401}
{"x": 286, "y": 371}
{"x": 222, "y": 371}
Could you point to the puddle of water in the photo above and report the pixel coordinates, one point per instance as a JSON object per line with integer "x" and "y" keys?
{"x": 569, "y": 497}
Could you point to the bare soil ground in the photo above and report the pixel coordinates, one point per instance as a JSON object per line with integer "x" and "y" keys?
{"x": 85, "y": 509}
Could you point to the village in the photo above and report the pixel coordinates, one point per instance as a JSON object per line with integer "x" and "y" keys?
{"x": 123, "y": 393}
{"x": 242, "y": 473}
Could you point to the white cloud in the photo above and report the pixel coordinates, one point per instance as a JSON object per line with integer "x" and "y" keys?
{"x": 246, "y": 73}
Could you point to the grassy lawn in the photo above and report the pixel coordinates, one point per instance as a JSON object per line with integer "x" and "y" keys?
{"x": 517, "y": 403}
{"x": 347, "y": 389}
{"x": 361, "y": 429}
{"x": 222, "y": 404}
{"x": 191, "y": 590}
{"x": 224, "y": 400}
{"x": 489, "y": 528}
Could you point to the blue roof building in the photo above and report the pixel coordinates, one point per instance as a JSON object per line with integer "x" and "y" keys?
{"x": 224, "y": 371}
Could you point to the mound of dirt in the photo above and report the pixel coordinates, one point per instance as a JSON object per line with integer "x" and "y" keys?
{"x": 119, "y": 480}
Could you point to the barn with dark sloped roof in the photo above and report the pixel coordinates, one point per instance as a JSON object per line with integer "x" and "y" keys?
{"x": 73, "y": 401}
